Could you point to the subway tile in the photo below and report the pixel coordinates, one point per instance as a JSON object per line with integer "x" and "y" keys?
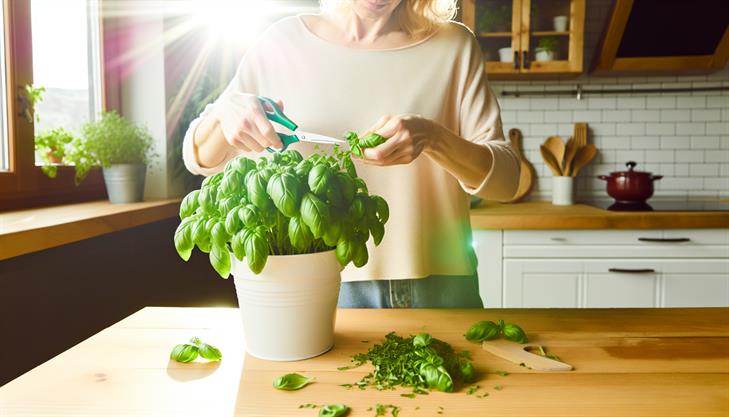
{"x": 716, "y": 184}
{"x": 690, "y": 128}
{"x": 660, "y": 128}
{"x": 672, "y": 115}
{"x": 529, "y": 116}
{"x": 661, "y": 156}
{"x": 557, "y": 116}
{"x": 631, "y": 155}
{"x": 718, "y": 128}
{"x": 514, "y": 103}
{"x": 615, "y": 142}
{"x": 599, "y": 103}
{"x": 681, "y": 169}
{"x": 646, "y": 115}
{"x": 631, "y": 103}
{"x": 675, "y": 142}
{"x": 645, "y": 142}
{"x": 566, "y": 103}
{"x": 691, "y": 102}
{"x": 588, "y": 116}
{"x": 681, "y": 183}
{"x": 720, "y": 155}
{"x": 705, "y": 142}
{"x": 705, "y": 115}
{"x": 617, "y": 115}
{"x": 542, "y": 129}
{"x": 659, "y": 103}
{"x": 724, "y": 142}
{"x": 689, "y": 156}
{"x": 703, "y": 170}
{"x": 602, "y": 129}
{"x": 544, "y": 103}
{"x": 631, "y": 129}
{"x": 724, "y": 170}
{"x": 717, "y": 101}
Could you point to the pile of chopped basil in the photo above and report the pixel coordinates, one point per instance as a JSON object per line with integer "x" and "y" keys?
{"x": 420, "y": 362}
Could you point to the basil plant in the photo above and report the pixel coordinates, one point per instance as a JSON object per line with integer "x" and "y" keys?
{"x": 281, "y": 205}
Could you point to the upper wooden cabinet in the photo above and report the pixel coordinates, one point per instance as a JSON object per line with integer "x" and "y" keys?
{"x": 528, "y": 39}
{"x": 665, "y": 36}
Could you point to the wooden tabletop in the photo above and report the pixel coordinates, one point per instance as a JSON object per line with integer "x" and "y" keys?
{"x": 628, "y": 362}
{"x": 542, "y": 215}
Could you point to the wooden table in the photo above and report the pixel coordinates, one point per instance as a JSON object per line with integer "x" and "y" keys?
{"x": 628, "y": 362}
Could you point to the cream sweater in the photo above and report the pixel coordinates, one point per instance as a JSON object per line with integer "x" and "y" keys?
{"x": 330, "y": 89}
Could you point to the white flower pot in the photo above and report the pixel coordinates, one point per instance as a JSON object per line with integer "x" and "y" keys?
{"x": 289, "y": 309}
{"x": 560, "y": 23}
{"x": 563, "y": 191}
{"x": 505, "y": 55}
{"x": 544, "y": 55}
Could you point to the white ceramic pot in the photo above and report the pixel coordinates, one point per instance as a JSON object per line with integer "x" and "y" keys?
{"x": 563, "y": 191}
{"x": 560, "y": 23}
{"x": 505, "y": 55}
{"x": 289, "y": 309}
{"x": 544, "y": 55}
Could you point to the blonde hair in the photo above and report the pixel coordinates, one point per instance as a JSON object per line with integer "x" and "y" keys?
{"x": 417, "y": 17}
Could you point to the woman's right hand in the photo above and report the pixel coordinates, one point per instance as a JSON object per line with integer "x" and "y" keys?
{"x": 244, "y": 124}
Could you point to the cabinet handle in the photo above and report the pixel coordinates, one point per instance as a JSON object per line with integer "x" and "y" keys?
{"x": 632, "y": 271}
{"x": 664, "y": 240}
{"x": 516, "y": 59}
{"x": 558, "y": 239}
{"x": 525, "y": 58}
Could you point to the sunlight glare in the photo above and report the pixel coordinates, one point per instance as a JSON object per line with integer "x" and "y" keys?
{"x": 235, "y": 21}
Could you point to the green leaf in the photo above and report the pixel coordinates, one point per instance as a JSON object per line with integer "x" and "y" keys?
{"x": 232, "y": 183}
{"x": 381, "y": 207}
{"x": 219, "y": 235}
{"x": 346, "y": 187}
{"x": 333, "y": 410}
{"x": 291, "y": 382}
{"x": 371, "y": 140}
{"x": 183, "y": 238}
{"x": 344, "y": 251}
{"x": 299, "y": 234}
{"x": 220, "y": 260}
{"x": 237, "y": 245}
{"x": 302, "y": 168}
{"x": 210, "y": 352}
{"x": 319, "y": 178}
{"x": 422, "y": 340}
{"x": 357, "y": 209}
{"x": 195, "y": 341}
{"x": 377, "y": 230}
{"x": 292, "y": 156}
{"x": 359, "y": 254}
{"x": 360, "y": 185}
{"x": 250, "y": 216}
{"x": 206, "y": 199}
{"x": 256, "y": 251}
{"x": 233, "y": 223}
{"x": 315, "y": 214}
{"x": 184, "y": 353}
{"x": 212, "y": 180}
{"x": 200, "y": 233}
{"x": 356, "y": 150}
{"x": 437, "y": 377}
{"x": 256, "y": 182}
{"x": 350, "y": 168}
{"x": 483, "y": 330}
{"x": 515, "y": 333}
{"x": 333, "y": 232}
{"x": 285, "y": 191}
{"x": 240, "y": 164}
{"x": 189, "y": 204}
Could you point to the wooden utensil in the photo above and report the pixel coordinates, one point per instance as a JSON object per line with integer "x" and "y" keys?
{"x": 580, "y": 134}
{"x": 550, "y": 161}
{"x": 569, "y": 154}
{"x": 515, "y": 352}
{"x": 527, "y": 173}
{"x": 555, "y": 144}
{"x": 584, "y": 155}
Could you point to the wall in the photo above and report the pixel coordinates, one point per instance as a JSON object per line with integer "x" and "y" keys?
{"x": 54, "y": 299}
{"x": 684, "y": 137}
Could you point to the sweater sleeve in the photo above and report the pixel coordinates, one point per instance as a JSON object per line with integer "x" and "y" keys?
{"x": 244, "y": 81}
{"x": 480, "y": 122}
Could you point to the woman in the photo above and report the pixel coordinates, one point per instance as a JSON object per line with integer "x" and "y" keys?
{"x": 343, "y": 70}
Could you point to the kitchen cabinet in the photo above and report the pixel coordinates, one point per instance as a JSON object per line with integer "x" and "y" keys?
{"x": 528, "y": 39}
{"x": 603, "y": 268}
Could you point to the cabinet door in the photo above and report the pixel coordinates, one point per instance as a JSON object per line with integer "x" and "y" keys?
{"x": 696, "y": 283}
{"x": 621, "y": 283}
{"x": 552, "y": 34}
{"x": 496, "y": 24}
{"x": 542, "y": 283}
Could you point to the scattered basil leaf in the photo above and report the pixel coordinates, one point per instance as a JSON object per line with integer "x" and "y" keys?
{"x": 184, "y": 353}
{"x": 210, "y": 352}
{"x": 333, "y": 410}
{"x": 291, "y": 382}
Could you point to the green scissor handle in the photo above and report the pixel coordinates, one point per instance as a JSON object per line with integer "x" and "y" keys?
{"x": 276, "y": 115}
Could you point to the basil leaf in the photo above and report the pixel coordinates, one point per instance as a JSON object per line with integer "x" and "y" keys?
{"x": 285, "y": 191}
{"x": 256, "y": 250}
{"x": 333, "y": 410}
{"x": 346, "y": 187}
{"x": 206, "y": 199}
{"x": 333, "y": 232}
{"x": 183, "y": 238}
{"x": 377, "y": 230}
{"x": 232, "y": 184}
{"x": 189, "y": 204}
{"x": 209, "y": 352}
{"x": 344, "y": 251}
{"x": 226, "y": 204}
{"x": 291, "y": 382}
{"x": 466, "y": 368}
{"x": 359, "y": 254}
{"x": 184, "y": 353}
{"x": 212, "y": 180}
{"x": 319, "y": 178}
{"x": 219, "y": 235}
{"x": 220, "y": 260}
{"x": 483, "y": 330}
{"x": 515, "y": 333}
{"x": 256, "y": 182}
{"x": 241, "y": 165}
{"x": 302, "y": 168}
{"x": 360, "y": 185}
{"x": 371, "y": 140}
{"x": 236, "y": 244}
{"x": 357, "y": 209}
{"x": 233, "y": 223}
{"x": 437, "y": 377}
{"x": 199, "y": 232}
{"x": 292, "y": 156}
{"x": 315, "y": 214}
{"x": 299, "y": 234}
{"x": 381, "y": 207}
{"x": 356, "y": 150}
{"x": 250, "y": 216}
{"x": 350, "y": 168}
{"x": 422, "y": 340}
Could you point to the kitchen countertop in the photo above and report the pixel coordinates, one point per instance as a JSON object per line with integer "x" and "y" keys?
{"x": 628, "y": 362}
{"x": 542, "y": 215}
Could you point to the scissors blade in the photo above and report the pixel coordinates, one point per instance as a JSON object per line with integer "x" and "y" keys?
{"x": 317, "y": 138}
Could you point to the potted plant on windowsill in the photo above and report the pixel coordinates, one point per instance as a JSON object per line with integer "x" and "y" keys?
{"x": 50, "y": 149}
{"x": 547, "y": 49}
{"x": 122, "y": 148}
{"x": 284, "y": 226}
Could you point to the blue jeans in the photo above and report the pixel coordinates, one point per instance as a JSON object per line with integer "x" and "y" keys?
{"x": 436, "y": 291}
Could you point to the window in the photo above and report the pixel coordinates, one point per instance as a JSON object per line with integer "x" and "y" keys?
{"x": 55, "y": 45}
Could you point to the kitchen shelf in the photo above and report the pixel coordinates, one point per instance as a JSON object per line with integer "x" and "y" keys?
{"x": 494, "y": 34}
{"x": 550, "y": 33}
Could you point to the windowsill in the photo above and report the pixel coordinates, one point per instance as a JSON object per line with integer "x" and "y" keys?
{"x": 32, "y": 230}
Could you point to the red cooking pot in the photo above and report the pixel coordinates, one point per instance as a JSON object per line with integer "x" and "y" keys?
{"x": 630, "y": 186}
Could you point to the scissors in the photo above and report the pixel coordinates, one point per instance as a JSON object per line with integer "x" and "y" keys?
{"x": 274, "y": 114}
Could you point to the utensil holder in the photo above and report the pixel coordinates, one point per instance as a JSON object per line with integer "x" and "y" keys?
{"x": 563, "y": 191}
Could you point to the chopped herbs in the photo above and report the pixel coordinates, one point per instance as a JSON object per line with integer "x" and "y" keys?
{"x": 484, "y": 395}
{"x": 308, "y": 405}
{"x": 333, "y": 410}
{"x": 347, "y": 386}
{"x": 498, "y": 387}
{"x": 408, "y": 395}
{"x": 472, "y": 389}
{"x": 381, "y": 410}
{"x": 502, "y": 373}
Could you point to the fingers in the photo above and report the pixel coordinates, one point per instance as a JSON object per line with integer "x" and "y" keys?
{"x": 381, "y": 122}
{"x": 391, "y": 127}
{"x": 263, "y": 131}
{"x": 386, "y": 149}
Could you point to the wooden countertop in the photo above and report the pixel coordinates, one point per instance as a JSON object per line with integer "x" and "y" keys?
{"x": 542, "y": 215}
{"x": 32, "y": 230}
{"x": 628, "y": 362}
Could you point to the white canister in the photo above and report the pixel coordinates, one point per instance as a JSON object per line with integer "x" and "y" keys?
{"x": 560, "y": 23}
{"x": 543, "y": 55}
{"x": 505, "y": 55}
{"x": 563, "y": 191}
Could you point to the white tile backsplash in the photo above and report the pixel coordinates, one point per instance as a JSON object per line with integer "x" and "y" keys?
{"x": 683, "y": 136}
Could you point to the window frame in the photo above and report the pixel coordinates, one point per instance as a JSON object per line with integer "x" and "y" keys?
{"x": 24, "y": 184}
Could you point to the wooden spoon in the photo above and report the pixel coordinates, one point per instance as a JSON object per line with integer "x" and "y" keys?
{"x": 584, "y": 155}
{"x": 570, "y": 149}
{"x": 550, "y": 161}
{"x": 580, "y": 134}
{"x": 555, "y": 144}
{"x": 527, "y": 173}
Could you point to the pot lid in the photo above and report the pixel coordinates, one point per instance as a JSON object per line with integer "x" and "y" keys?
{"x": 630, "y": 172}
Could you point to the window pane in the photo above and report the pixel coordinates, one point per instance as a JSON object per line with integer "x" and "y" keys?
{"x": 4, "y": 151}
{"x": 65, "y": 62}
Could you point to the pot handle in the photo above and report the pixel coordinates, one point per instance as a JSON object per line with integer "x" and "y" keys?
{"x": 656, "y": 177}
{"x": 603, "y": 177}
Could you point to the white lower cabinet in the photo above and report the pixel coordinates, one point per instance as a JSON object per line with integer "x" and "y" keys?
{"x": 578, "y": 269}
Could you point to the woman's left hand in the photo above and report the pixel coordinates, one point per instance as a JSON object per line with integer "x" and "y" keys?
{"x": 408, "y": 135}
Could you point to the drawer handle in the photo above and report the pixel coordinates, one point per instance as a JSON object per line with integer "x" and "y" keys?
{"x": 632, "y": 271}
{"x": 558, "y": 239}
{"x": 664, "y": 240}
